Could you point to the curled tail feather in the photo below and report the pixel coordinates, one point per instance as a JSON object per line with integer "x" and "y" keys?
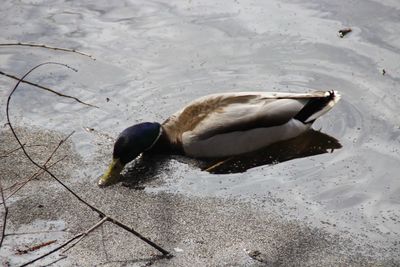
{"x": 316, "y": 107}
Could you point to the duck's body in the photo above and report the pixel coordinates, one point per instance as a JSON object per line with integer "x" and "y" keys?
{"x": 221, "y": 125}
{"x": 229, "y": 124}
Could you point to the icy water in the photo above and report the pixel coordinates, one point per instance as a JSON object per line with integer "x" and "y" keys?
{"x": 153, "y": 57}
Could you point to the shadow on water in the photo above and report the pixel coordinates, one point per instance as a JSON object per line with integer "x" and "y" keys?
{"x": 308, "y": 144}
{"x": 143, "y": 170}
{"x": 146, "y": 168}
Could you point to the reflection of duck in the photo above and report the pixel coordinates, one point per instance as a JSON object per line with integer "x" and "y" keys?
{"x": 222, "y": 125}
{"x": 307, "y": 144}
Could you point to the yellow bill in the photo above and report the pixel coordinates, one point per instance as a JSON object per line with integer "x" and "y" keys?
{"x": 112, "y": 174}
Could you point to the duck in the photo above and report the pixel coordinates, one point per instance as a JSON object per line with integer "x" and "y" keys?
{"x": 222, "y": 125}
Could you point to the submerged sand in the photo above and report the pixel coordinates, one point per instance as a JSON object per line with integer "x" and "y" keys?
{"x": 199, "y": 231}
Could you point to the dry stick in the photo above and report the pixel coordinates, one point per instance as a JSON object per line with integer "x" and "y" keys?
{"x": 35, "y": 175}
{"x": 8, "y": 153}
{"x": 46, "y": 88}
{"x": 39, "y": 232}
{"x": 3, "y": 229}
{"x": 219, "y": 163}
{"x": 36, "y": 247}
{"x": 54, "y": 250}
{"x": 87, "y": 232}
{"x": 102, "y": 214}
{"x": 151, "y": 243}
{"x": 49, "y": 47}
{"x": 57, "y": 260}
{"x": 40, "y": 172}
{"x": 57, "y": 147}
{"x": 80, "y": 236}
{"x": 13, "y": 185}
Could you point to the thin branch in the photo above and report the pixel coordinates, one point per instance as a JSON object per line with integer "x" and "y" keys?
{"x": 55, "y": 261}
{"x": 49, "y": 47}
{"x": 8, "y": 153}
{"x": 13, "y": 185}
{"x": 133, "y": 262}
{"x": 24, "y": 150}
{"x": 215, "y": 165}
{"x": 35, "y": 247}
{"x": 3, "y": 228}
{"x": 87, "y": 232}
{"x": 34, "y": 176}
{"x": 47, "y": 88}
{"x": 95, "y": 209}
{"x": 57, "y": 147}
{"x": 78, "y": 236}
{"x": 132, "y": 231}
{"x": 40, "y": 171}
{"x": 39, "y": 232}
{"x": 52, "y": 251}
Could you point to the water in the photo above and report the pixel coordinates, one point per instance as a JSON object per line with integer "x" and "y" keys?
{"x": 153, "y": 57}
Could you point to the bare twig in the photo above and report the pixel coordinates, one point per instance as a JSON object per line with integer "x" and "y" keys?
{"x": 57, "y": 147}
{"x": 39, "y": 232}
{"x": 20, "y": 143}
{"x": 8, "y": 153}
{"x": 3, "y": 228}
{"x": 53, "y": 250}
{"x": 77, "y": 237}
{"x": 35, "y": 247}
{"x": 95, "y": 209}
{"x": 219, "y": 163}
{"x": 40, "y": 172}
{"x": 151, "y": 243}
{"x": 46, "y": 88}
{"x": 87, "y": 232}
{"x": 33, "y": 176}
{"x": 55, "y": 261}
{"x": 49, "y": 47}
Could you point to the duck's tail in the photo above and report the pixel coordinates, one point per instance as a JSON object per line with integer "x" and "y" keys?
{"x": 316, "y": 107}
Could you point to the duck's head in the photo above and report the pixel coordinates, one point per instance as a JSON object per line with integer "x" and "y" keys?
{"x": 130, "y": 144}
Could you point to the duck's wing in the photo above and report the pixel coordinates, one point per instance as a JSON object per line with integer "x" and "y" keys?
{"x": 230, "y": 112}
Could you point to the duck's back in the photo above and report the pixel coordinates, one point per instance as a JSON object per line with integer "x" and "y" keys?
{"x": 228, "y": 124}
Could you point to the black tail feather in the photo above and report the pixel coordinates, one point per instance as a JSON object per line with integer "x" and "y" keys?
{"x": 313, "y": 106}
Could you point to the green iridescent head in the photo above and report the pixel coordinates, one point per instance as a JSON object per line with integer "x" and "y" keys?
{"x": 129, "y": 145}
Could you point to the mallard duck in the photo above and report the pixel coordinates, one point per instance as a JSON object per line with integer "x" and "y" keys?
{"x": 221, "y": 125}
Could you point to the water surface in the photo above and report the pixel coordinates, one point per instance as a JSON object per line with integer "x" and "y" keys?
{"x": 153, "y": 57}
